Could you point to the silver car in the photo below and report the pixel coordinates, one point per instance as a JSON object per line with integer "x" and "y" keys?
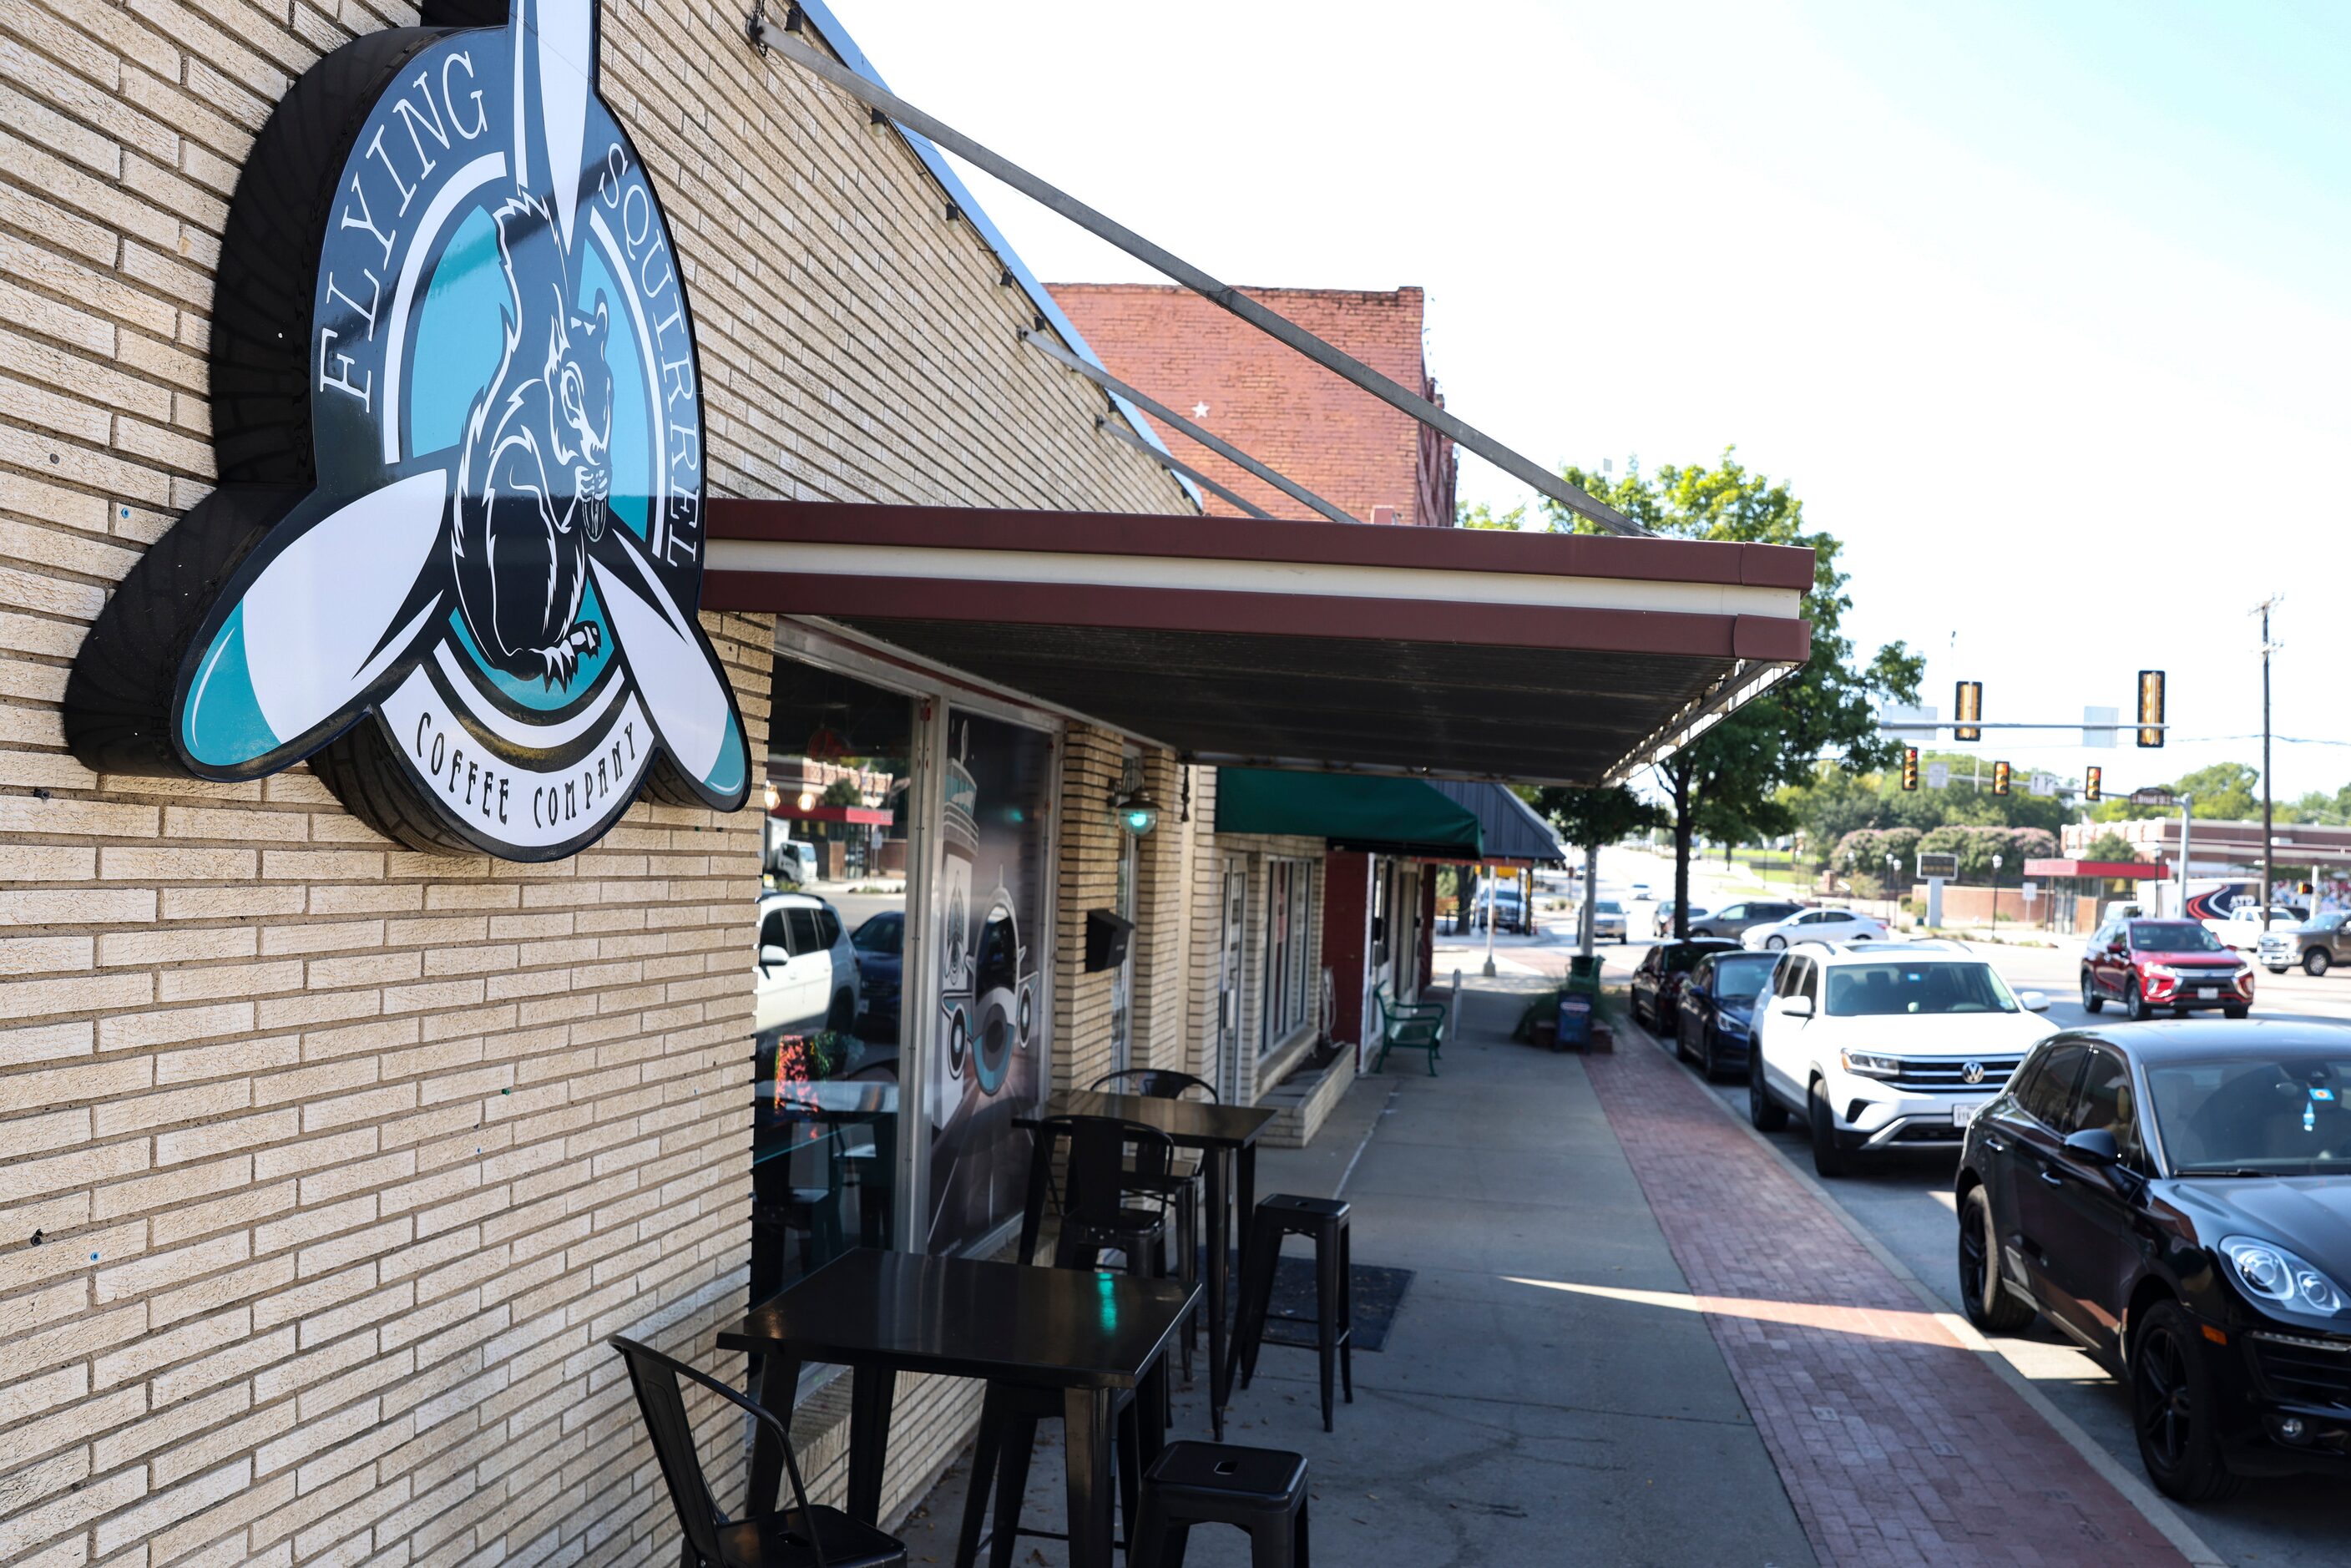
{"x": 1733, "y": 919}
{"x": 2316, "y": 944}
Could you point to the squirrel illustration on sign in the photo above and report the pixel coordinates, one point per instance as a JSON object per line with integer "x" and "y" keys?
{"x": 534, "y": 480}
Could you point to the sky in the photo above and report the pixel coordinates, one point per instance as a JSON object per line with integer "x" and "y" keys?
{"x": 2039, "y": 308}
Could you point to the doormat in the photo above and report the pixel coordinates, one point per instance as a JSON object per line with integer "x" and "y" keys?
{"x": 1379, "y": 1294}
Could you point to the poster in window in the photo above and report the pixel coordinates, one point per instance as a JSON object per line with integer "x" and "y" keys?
{"x": 991, "y": 1062}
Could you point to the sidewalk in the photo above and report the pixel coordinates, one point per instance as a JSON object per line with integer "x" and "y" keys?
{"x": 1527, "y": 1409}
{"x": 1596, "y": 1364}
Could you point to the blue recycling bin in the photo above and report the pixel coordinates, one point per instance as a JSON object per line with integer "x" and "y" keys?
{"x": 1575, "y": 1023}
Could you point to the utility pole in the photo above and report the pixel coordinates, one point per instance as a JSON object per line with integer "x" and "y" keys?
{"x": 2268, "y": 647}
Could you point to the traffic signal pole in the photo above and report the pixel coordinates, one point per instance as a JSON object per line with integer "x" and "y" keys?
{"x": 2268, "y": 871}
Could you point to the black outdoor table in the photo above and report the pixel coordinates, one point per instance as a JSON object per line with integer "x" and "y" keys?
{"x": 1088, "y": 1334}
{"x": 1222, "y": 1133}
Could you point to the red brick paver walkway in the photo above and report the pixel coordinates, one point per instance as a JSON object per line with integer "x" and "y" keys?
{"x": 1897, "y": 1444}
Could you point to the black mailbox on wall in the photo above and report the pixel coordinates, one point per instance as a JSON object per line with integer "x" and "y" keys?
{"x": 1106, "y": 935}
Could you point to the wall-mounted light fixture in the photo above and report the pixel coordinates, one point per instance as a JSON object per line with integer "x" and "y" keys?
{"x": 1134, "y": 810}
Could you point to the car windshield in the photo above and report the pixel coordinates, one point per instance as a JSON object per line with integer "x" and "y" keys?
{"x": 1609, "y": 907}
{"x": 2325, "y": 923}
{"x": 2275, "y": 1114}
{"x": 1884, "y": 990}
{"x": 2172, "y": 936}
{"x": 883, "y": 934}
{"x": 1741, "y": 979}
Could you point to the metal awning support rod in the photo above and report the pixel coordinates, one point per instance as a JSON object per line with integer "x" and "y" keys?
{"x": 769, "y": 35}
{"x": 1735, "y": 690}
{"x": 1177, "y": 466}
{"x": 1213, "y": 442}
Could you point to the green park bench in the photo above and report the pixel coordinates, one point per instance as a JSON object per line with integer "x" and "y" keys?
{"x": 1415, "y": 1026}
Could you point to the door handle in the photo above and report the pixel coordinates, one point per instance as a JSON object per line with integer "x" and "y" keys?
{"x": 1994, "y": 1145}
{"x": 2052, "y": 1178}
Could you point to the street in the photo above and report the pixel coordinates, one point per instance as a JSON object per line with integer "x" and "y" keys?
{"x": 1904, "y": 1201}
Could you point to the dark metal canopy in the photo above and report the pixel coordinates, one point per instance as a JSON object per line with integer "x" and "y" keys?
{"x": 1448, "y": 653}
{"x": 1509, "y": 829}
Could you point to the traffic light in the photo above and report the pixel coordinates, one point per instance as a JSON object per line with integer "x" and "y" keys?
{"x": 1967, "y": 709}
{"x": 1910, "y": 767}
{"x": 2150, "y": 707}
{"x": 1999, "y": 778}
{"x": 2093, "y": 785}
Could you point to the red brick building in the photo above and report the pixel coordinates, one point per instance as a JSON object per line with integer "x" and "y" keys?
{"x": 1273, "y": 402}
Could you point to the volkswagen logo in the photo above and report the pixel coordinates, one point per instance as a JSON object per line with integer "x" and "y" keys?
{"x": 1973, "y": 1072}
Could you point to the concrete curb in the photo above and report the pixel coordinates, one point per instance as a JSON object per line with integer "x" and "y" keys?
{"x": 2151, "y": 1505}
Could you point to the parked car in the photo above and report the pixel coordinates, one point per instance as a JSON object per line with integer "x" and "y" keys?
{"x": 881, "y": 945}
{"x": 1640, "y": 892}
{"x": 1657, "y": 980}
{"x": 1661, "y": 919}
{"x": 1515, "y": 915}
{"x": 2145, "y": 965}
{"x": 804, "y": 974}
{"x": 1608, "y": 920}
{"x": 1815, "y": 926}
{"x": 2316, "y": 944}
{"x": 2174, "y": 1200}
{"x": 1733, "y": 919}
{"x": 1716, "y": 1012}
{"x": 1882, "y": 1043}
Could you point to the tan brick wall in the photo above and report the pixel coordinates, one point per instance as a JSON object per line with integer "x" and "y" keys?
{"x": 344, "y": 1159}
{"x": 1092, "y": 761}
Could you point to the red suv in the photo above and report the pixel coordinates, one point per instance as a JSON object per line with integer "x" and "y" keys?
{"x": 2147, "y": 964}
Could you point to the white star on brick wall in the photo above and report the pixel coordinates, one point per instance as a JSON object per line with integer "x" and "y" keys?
{"x": 1199, "y": 411}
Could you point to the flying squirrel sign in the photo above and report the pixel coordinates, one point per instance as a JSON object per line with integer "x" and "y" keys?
{"x": 457, "y": 549}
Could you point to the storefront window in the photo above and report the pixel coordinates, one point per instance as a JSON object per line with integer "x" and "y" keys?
{"x": 1289, "y": 956}
{"x": 993, "y": 945}
{"x": 828, "y": 946}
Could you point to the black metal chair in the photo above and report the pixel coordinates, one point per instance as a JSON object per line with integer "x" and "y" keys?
{"x": 1323, "y": 1220}
{"x": 1175, "y": 1184}
{"x": 1260, "y": 1490}
{"x": 802, "y": 1536}
{"x": 1092, "y": 1195}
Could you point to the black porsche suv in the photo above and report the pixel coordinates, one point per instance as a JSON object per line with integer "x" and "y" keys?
{"x": 2178, "y": 1199}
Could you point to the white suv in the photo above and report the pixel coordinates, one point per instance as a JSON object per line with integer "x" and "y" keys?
{"x": 1880, "y": 1044}
{"x": 804, "y": 972}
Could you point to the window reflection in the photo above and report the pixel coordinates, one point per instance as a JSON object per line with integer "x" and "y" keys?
{"x": 829, "y": 943}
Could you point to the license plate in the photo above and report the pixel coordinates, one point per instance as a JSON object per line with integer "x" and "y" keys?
{"x": 1963, "y": 1115}
{"x": 2207, "y": 992}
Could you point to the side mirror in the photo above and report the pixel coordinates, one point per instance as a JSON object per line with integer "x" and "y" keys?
{"x": 771, "y": 955}
{"x": 2033, "y": 1001}
{"x": 1794, "y": 1006}
{"x": 2094, "y": 1147}
{"x": 2118, "y": 945}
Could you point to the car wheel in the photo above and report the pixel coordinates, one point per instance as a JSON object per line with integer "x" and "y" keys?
{"x": 2315, "y": 962}
{"x": 2172, "y": 1409}
{"x": 1828, "y": 1160}
{"x": 1706, "y": 1067}
{"x": 2234, "y": 1012}
{"x": 1984, "y": 1293}
{"x": 841, "y": 1014}
{"x": 1777, "y": 944}
{"x": 2274, "y": 968}
{"x": 1681, "y": 1047}
{"x": 2134, "y": 1004}
{"x": 1764, "y": 1113}
{"x": 2091, "y": 1001}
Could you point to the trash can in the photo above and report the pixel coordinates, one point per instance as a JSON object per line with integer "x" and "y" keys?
{"x": 1575, "y": 1023}
{"x": 1583, "y": 974}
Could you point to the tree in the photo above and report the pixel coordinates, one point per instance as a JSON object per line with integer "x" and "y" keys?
{"x": 843, "y": 793}
{"x": 1481, "y": 516}
{"x": 2110, "y": 846}
{"x": 1726, "y": 783}
{"x": 1590, "y": 818}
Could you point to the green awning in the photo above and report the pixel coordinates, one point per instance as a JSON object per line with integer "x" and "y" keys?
{"x": 1353, "y": 810}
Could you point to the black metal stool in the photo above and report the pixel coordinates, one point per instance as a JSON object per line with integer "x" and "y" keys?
{"x": 1324, "y": 1220}
{"x": 1008, "y": 1437}
{"x": 1262, "y": 1490}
